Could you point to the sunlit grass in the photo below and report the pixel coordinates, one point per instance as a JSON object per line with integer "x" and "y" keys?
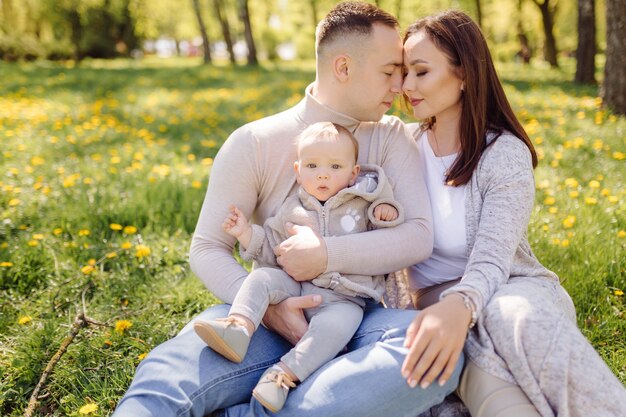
{"x": 104, "y": 169}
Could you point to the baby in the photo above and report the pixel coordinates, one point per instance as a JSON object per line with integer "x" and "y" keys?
{"x": 336, "y": 197}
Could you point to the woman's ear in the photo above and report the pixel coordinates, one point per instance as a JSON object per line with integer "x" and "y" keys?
{"x": 341, "y": 65}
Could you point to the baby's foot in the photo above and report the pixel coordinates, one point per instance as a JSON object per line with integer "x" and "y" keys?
{"x": 272, "y": 389}
{"x": 226, "y": 336}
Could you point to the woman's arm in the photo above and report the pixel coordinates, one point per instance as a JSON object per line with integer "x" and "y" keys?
{"x": 507, "y": 186}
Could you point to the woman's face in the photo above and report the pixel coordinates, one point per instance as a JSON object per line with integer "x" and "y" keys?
{"x": 431, "y": 83}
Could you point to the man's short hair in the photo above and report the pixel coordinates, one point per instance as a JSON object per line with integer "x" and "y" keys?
{"x": 350, "y": 18}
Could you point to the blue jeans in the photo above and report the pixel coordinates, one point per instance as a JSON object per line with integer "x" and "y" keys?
{"x": 183, "y": 377}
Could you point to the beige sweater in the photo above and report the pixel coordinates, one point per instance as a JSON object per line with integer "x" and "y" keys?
{"x": 254, "y": 170}
{"x": 351, "y": 210}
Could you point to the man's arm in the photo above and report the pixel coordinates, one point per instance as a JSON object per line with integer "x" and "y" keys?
{"x": 234, "y": 180}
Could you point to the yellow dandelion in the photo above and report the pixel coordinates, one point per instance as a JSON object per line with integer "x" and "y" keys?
{"x": 591, "y": 201}
{"x": 122, "y": 325}
{"x": 87, "y": 269}
{"x": 569, "y": 221}
{"x": 4, "y": 245}
{"x": 571, "y": 182}
{"x": 556, "y": 241}
{"x": 598, "y": 144}
{"x": 115, "y": 226}
{"x": 619, "y": 293}
{"x": 6, "y": 264}
{"x": 24, "y": 320}
{"x": 130, "y": 230}
{"x": 207, "y": 162}
{"x": 621, "y": 234}
{"x": 107, "y": 343}
{"x": 33, "y": 243}
{"x": 619, "y": 155}
{"x": 605, "y": 192}
{"x": 84, "y": 232}
{"x": 594, "y": 184}
{"x": 126, "y": 245}
{"x": 574, "y": 194}
{"x": 142, "y": 356}
{"x": 88, "y": 408}
{"x": 14, "y": 202}
{"x": 549, "y": 201}
{"x": 38, "y": 236}
{"x": 554, "y": 163}
{"x": 613, "y": 199}
{"x": 196, "y": 184}
{"x": 111, "y": 255}
{"x": 191, "y": 157}
{"x": 57, "y": 231}
{"x": 565, "y": 243}
{"x": 553, "y": 210}
{"x": 545, "y": 227}
{"x": 91, "y": 262}
{"x": 142, "y": 251}
{"x": 580, "y": 115}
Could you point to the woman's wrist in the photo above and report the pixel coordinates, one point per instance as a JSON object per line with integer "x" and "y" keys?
{"x": 469, "y": 306}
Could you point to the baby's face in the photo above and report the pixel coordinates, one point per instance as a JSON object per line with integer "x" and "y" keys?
{"x": 324, "y": 168}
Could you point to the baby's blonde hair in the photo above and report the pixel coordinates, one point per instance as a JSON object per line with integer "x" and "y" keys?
{"x": 326, "y": 131}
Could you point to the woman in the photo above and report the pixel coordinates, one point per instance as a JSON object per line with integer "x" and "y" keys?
{"x": 510, "y": 314}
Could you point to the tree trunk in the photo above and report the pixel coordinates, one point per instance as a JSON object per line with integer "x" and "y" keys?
{"x": 586, "y": 50}
{"x": 614, "y": 87}
{"x": 245, "y": 17}
{"x": 479, "y": 14}
{"x": 222, "y": 17}
{"x": 7, "y": 15}
{"x": 205, "y": 38}
{"x": 525, "y": 52}
{"x": 398, "y": 9}
{"x": 313, "y": 4}
{"x": 76, "y": 32}
{"x": 547, "y": 18}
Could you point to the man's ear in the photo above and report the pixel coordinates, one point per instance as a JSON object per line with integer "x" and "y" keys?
{"x": 296, "y": 168}
{"x": 341, "y": 65}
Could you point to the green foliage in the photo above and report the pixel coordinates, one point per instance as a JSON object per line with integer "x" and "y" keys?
{"x": 109, "y": 145}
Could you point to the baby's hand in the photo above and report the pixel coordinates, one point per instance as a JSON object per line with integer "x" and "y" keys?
{"x": 235, "y": 224}
{"x": 385, "y": 212}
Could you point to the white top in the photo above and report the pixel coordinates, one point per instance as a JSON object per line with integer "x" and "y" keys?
{"x": 449, "y": 257}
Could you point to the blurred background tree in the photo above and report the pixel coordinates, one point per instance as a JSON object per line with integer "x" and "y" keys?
{"x": 249, "y": 31}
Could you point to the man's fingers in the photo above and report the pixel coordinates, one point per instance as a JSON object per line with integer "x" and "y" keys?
{"x": 304, "y": 301}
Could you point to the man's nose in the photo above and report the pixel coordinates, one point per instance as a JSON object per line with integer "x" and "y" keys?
{"x": 396, "y": 83}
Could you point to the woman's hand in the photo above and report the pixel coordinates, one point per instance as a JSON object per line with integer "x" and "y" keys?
{"x": 303, "y": 255}
{"x": 435, "y": 340}
{"x": 287, "y": 317}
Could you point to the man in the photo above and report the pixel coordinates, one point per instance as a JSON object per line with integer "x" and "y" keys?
{"x": 359, "y": 60}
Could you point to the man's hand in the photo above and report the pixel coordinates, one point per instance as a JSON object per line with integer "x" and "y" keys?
{"x": 287, "y": 318}
{"x": 303, "y": 256}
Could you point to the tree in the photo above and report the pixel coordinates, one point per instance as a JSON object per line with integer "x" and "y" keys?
{"x": 525, "y": 52}
{"x": 244, "y": 13}
{"x": 479, "y": 13}
{"x": 205, "y": 38}
{"x": 313, "y": 4}
{"x": 223, "y": 19}
{"x": 586, "y": 50}
{"x": 614, "y": 86}
{"x": 547, "y": 18}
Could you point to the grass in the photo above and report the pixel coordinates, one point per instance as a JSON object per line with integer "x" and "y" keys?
{"x": 103, "y": 170}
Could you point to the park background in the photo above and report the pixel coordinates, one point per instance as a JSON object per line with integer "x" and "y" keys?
{"x": 111, "y": 112}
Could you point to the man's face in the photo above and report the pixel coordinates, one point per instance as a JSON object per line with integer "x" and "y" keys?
{"x": 375, "y": 75}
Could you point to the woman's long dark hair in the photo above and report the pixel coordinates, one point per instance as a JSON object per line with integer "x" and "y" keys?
{"x": 484, "y": 104}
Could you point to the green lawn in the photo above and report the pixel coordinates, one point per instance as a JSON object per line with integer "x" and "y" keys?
{"x": 103, "y": 172}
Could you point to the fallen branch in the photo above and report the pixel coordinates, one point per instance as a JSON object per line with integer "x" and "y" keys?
{"x": 79, "y": 322}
